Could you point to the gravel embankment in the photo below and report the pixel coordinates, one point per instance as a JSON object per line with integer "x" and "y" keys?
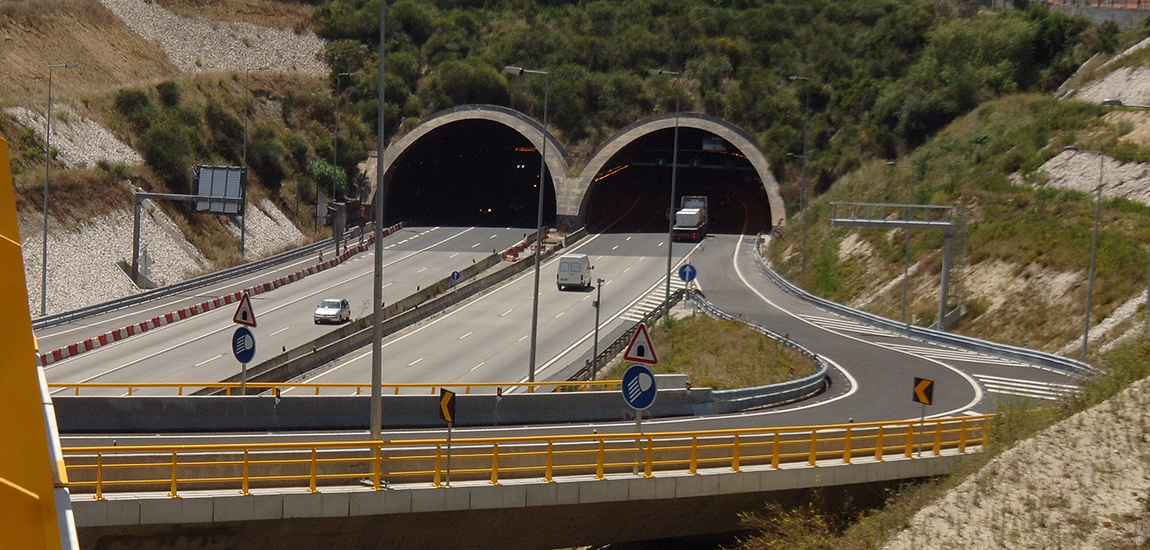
{"x": 79, "y": 141}
{"x": 196, "y": 45}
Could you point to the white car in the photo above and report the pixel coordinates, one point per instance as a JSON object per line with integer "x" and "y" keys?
{"x": 332, "y": 310}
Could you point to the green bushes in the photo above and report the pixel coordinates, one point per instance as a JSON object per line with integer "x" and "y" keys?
{"x": 166, "y": 149}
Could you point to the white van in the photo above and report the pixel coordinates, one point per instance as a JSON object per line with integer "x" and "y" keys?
{"x": 574, "y": 270}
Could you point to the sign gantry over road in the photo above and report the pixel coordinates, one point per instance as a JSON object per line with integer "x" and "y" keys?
{"x": 640, "y": 349}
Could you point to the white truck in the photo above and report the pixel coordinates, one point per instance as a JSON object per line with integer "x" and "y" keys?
{"x": 691, "y": 219}
{"x": 574, "y": 271}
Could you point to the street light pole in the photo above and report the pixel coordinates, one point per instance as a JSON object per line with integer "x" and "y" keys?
{"x": 1117, "y": 102}
{"x": 595, "y": 348}
{"x": 377, "y": 280}
{"x": 803, "y": 178}
{"x": 1093, "y": 249}
{"x": 47, "y": 168}
{"x": 539, "y": 220}
{"x": 674, "y": 178}
{"x": 335, "y": 140}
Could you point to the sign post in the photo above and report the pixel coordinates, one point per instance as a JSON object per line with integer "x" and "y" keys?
{"x": 455, "y": 276}
{"x": 639, "y": 392}
{"x": 447, "y": 413}
{"x": 244, "y": 348}
{"x": 923, "y": 393}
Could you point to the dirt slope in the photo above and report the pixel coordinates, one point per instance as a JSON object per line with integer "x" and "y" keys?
{"x": 37, "y": 33}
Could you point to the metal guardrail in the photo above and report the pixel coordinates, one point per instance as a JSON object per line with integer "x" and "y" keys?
{"x": 596, "y": 363}
{"x": 1035, "y": 357}
{"x": 183, "y": 286}
{"x": 334, "y": 388}
{"x": 243, "y": 467}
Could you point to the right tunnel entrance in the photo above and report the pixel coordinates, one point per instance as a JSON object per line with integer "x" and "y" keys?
{"x": 631, "y": 193}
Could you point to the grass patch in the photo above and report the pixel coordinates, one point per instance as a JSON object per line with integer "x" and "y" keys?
{"x": 815, "y": 526}
{"x": 720, "y": 354}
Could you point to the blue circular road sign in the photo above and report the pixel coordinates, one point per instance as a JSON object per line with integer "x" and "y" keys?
{"x": 244, "y": 345}
{"x": 455, "y": 276}
{"x": 687, "y": 272}
{"x": 639, "y": 387}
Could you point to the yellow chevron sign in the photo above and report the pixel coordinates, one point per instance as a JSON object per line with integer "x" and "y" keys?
{"x": 26, "y": 479}
{"x": 923, "y": 391}
{"x": 447, "y": 405}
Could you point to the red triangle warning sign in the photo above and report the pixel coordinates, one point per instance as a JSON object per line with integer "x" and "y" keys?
{"x": 244, "y": 314}
{"x": 640, "y": 350}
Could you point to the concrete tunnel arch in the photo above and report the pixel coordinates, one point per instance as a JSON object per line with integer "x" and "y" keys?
{"x": 558, "y": 162}
{"x": 574, "y": 198}
{"x": 572, "y": 192}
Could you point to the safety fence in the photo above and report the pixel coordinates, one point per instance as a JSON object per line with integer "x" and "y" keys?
{"x": 227, "y": 388}
{"x": 244, "y": 467}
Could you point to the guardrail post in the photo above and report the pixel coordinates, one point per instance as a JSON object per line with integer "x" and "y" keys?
{"x": 938, "y": 438}
{"x": 847, "y": 447}
{"x": 244, "y": 490}
{"x": 495, "y": 463}
{"x": 377, "y": 468}
{"x": 694, "y": 454}
{"x": 775, "y": 452}
{"x": 962, "y": 437}
{"x": 438, "y": 457}
{"x": 735, "y": 454}
{"x": 878, "y": 445}
{"x": 311, "y": 485}
{"x": 909, "y": 439}
{"x": 99, "y": 476}
{"x": 599, "y": 466}
{"x": 548, "y": 471}
{"x": 813, "y": 458}
{"x": 650, "y": 451}
{"x": 173, "y": 493}
{"x": 129, "y": 391}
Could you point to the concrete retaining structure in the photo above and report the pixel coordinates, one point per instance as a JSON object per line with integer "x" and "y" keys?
{"x": 525, "y": 514}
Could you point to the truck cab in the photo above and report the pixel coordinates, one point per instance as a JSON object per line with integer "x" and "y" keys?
{"x": 574, "y": 271}
{"x": 691, "y": 219}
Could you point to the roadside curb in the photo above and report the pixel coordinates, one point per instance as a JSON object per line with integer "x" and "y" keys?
{"x": 89, "y": 344}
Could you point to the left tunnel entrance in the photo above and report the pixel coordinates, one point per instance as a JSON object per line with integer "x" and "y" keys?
{"x": 470, "y": 172}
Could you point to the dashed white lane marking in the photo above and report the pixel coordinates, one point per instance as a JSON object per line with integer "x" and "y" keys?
{"x": 422, "y": 270}
{"x": 524, "y": 337}
{"x": 465, "y": 336}
{"x": 208, "y": 360}
{"x": 477, "y": 366}
{"x": 279, "y": 331}
{"x": 453, "y": 255}
{"x": 506, "y": 312}
{"x": 475, "y": 245}
{"x": 411, "y": 364}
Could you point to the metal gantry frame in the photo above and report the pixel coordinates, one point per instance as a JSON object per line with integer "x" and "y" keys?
{"x": 906, "y": 217}
{"x": 140, "y": 198}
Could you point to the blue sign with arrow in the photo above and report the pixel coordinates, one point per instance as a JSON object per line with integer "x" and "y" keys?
{"x": 455, "y": 276}
{"x": 639, "y": 387}
{"x": 244, "y": 345}
{"x": 687, "y": 273}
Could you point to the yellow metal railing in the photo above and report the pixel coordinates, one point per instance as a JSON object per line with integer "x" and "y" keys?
{"x": 243, "y": 467}
{"x": 336, "y": 388}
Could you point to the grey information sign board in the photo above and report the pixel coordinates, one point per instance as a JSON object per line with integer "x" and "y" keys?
{"x": 219, "y": 182}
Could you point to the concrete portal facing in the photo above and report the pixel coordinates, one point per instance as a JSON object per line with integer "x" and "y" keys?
{"x": 516, "y": 514}
{"x": 572, "y": 191}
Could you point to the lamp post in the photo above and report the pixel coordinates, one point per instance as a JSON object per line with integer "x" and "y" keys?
{"x": 803, "y": 178}
{"x": 335, "y": 140}
{"x": 1093, "y": 248}
{"x": 539, "y": 220}
{"x": 1117, "y": 102}
{"x": 244, "y": 192}
{"x": 674, "y": 178}
{"x": 595, "y": 347}
{"x": 377, "y": 280}
{"x": 47, "y": 167}
{"x": 906, "y": 256}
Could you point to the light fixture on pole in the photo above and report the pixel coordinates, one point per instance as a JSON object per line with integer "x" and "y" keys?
{"x": 803, "y": 177}
{"x": 47, "y": 168}
{"x": 539, "y": 222}
{"x": 335, "y": 139}
{"x": 377, "y": 280}
{"x": 674, "y": 178}
{"x": 244, "y": 191}
{"x": 1117, "y": 102}
{"x": 1093, "y": 247}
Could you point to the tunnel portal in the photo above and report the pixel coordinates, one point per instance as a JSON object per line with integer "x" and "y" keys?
{"x": 631, "y": 193}
{"x": 469, "y": 173}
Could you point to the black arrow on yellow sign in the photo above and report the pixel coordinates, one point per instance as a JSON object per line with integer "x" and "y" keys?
{"x": 447, "y": 405}
{"x": 923, "y": 391}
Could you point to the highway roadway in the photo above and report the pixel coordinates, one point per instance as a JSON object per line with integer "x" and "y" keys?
{"x": 198, "y": 349}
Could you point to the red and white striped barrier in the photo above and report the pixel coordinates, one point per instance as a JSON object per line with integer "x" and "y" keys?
{"x": 72, "y": 350}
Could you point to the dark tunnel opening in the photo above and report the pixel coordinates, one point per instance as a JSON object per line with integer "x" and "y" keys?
{"x": 471, "y": 172}
{"x": 631, "y": 193}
